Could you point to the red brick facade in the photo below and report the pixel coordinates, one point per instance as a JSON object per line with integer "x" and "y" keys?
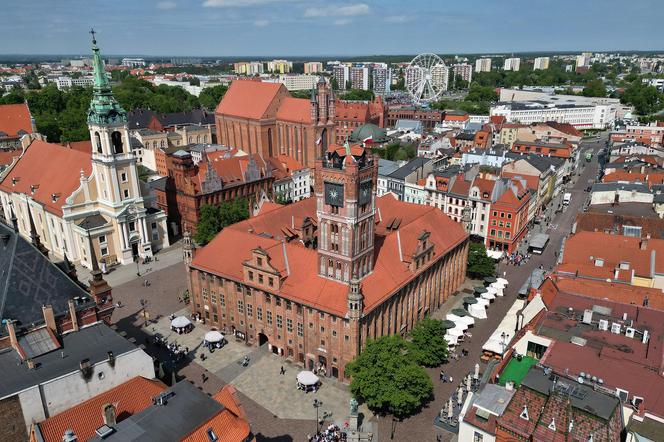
{"x": 508, "y": 218}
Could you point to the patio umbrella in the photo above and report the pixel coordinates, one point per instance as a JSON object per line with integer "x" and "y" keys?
{"x": 457, "y": 332}
{"x": 470, "y": 300}
{"x": 447, "y": 324}
{"x": 459, "y": 312}
{"x": 450, "y": 408}
{"x": 460, "y": 394}
{"x": 477, "y": 311}
{"x": 488, "y": 295}
{"x": 180, "y": 322}
{"x": 465, "y": 320}
{"x": 469, "y": 382}
{"x": 307, "y": 378}
{"x": 498, "y": 288}
{"x": 483, "y": 302}
{"x": 477, "y": 371}
{"x": 451, "y": 340}
{"x": 213, "y": 336}
{"x": 480, "y": 290}
{"x": 502, "y": 281}
{"x": 490, "y": 280}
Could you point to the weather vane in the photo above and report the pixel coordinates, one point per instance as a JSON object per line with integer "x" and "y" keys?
{"x": 92, "y": 31}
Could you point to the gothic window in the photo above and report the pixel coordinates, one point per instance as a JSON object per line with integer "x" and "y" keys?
{"x": 116, "y": 140}
{"x": 198, "y": 138}
{"x": 98, "y": 142}
{"x": 163, "y": 143}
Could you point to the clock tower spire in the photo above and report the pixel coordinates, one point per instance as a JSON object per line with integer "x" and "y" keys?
{"x": 346, "y": 203}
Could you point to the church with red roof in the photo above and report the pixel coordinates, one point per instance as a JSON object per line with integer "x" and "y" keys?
{"x": 314, "y": 280}
{"x": 263, "y": 118}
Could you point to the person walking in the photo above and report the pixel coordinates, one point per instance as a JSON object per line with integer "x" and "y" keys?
{"x": 282, "y": 371}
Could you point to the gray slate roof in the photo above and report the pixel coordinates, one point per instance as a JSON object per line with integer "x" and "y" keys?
{"x": 29, "y": 280}
{"x": 408, "y": 168}
{"x": 187, "y": 409}
{"x": 613, "y": 186}
{"x": 93, "y": 342}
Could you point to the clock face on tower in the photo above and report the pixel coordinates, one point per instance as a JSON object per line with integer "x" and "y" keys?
{"x": 334, "y": 194}
{"x": 365, "y": 191}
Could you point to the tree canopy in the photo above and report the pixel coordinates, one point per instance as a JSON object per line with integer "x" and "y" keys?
{"x": 594, "y": 88}
{"x": 479, "y": 264}
{"x": 211, "y": 96}
{"x": 396, "y": 151}
{"x": 427, "y": 345}
{"x": 214, "y": 218}
{"x": 387, "y": 379}
{"x": 358, "y": 94}
{"x": 645, "y": 99}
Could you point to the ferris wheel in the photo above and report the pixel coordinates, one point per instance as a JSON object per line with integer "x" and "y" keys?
{"x": 426, "y": 78}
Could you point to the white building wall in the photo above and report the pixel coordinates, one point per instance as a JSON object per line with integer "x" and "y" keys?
{"x": 60, "y": 394}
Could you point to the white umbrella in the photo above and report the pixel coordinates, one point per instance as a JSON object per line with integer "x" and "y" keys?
{"x": 502, "y": 281}
{"x": 455, "y": 332}
{"x": 469, "y": 381}
{"x": 477, "y": 371}
{"x": 460, "y": 393}
{"x": 499, "y": 288}
{"x": 451, "y": 340}
{"x": 477, "y": 311}
{"x": 180, "y": 322}
{"x": 213, "y": 336}
{"x": 307, "y": 378}
{"x": 483, "y": 302}
{"x": 450, "y": 408}
{"x": 487, "y": 295}
{"x": 468, "y": 320}
{"x": 498, "y": 285}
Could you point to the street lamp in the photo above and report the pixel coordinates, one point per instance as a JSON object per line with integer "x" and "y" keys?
{"x": 503, "y": 341}
{"x": 317, "y": 404}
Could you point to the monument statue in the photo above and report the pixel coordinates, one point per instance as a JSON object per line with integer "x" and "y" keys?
{"x": 353, "y": 407}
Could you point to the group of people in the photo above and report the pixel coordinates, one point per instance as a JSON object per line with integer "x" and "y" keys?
{"x": 308, "y": 388}
{"x": 332, "y": 434}
{"x": 517, "y": 258}
{"x": 177, "y": 352}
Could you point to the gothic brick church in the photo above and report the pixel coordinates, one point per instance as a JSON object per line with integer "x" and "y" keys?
{"x": 315, "y": 279}
{"x": 263, "y": 118}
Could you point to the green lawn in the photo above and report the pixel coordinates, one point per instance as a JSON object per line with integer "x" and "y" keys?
{"x": 516, "y": 370}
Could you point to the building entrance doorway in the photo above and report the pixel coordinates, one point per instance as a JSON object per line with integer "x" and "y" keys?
{"x": 262, "y": 339}
{"x": 134, "y": 249}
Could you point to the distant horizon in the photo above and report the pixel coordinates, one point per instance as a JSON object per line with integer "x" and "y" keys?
{"x": 330, "y": 57}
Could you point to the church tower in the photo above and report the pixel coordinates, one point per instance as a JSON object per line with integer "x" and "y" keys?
{"x": 345, "y": 188}
{"x": 114, "y": 167}
{"x": 322, "y": 115}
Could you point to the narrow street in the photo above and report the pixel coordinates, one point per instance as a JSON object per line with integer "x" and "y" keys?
{"x": 420, "y": 427}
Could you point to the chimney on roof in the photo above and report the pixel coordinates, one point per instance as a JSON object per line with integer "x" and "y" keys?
{"x": 108, "y": 414}
{"x": 12, "y": 334}
{"x": 72, "y": 315}
{"x": 49, "y": 317}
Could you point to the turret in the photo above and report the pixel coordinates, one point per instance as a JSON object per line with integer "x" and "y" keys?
{"x": 355, "y": 300}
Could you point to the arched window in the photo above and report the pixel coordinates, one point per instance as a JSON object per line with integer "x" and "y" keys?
{"x": 116, "y": 140}
{"x": 163, "y": 143}
{"x": 205, "y": 138}
{"x": 191, "y": 139}
{"x": 98, "y": 142}
{"x": 198, "y": 139}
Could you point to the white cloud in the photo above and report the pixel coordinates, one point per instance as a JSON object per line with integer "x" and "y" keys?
{"x": 166, "y": 5}
{"x": 342, "y": 22}
{"x": 261, "y": 23}
{"x": 398, "y": 19}
{"x": 239, "y": 3}
{"x": 338, "y": 11}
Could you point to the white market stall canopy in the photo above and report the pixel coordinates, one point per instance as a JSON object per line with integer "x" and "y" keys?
{"x": 307, "y": 378}
{"x": 451, "y": 340}
{"x": 467, "y": 320}
{"x": 502, "y": 281}
{"x": 501, "y": 337}
{"x": 180, "y": 322}
{"x": 213, "y": 336}
{"x": 488, "y": 295}
{"x": 455, "y": 332}
{"x": 494, "y": 254}
{"x": 477, "y": 311}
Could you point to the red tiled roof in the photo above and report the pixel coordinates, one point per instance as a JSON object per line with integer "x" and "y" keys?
{"x": 249, "y": 99}
{"x": 6, "y": 156}
{"x": 296, "y": 110}
{"x": 565, "y": 128}
{"x": 355, "y": 149}
{"x": 497, "y": 119}
{"x": 283, "y": 166}
{"x": 612, "y": 223}
{"x": 485, "y": 186}
{"x": 232, "y": 170}
{"x": 83, "y": 146}
{"x": 303, "y": 284}
{"x": 60, "y": 174}
{"x": 129, "y": 398}
{"x": 230, "y": 424}
{"x": 14, "y": 118}
{"x": 614, "y": 250}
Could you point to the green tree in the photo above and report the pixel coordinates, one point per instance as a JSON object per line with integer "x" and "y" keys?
{"x": 214, "y": 218}
{"x": 15, "y": 96}
{"x": 479, "y": 93}
{"x": 358, "y": 94}
{"x": 594, "y": 88}
{"x": 479, "y": 264}
{"x": 427, "y": 345}
{"x": 211, "y": 96}
{"x": 387, "y": 379}
{"x": 143, "y": 173}
{"x": 334, "y": 84}
{"x": 645, "y": 99}
{"x": 400, "y": 85}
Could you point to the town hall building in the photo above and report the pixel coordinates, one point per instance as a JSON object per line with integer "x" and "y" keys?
{"x": 314, "y": 280}
{"x": 69, "y": 195}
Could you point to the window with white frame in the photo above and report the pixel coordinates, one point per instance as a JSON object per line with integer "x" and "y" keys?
{"x": 123, "y": 177}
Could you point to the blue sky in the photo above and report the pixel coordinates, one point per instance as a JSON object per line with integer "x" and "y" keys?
{"x": 333, "y": 27}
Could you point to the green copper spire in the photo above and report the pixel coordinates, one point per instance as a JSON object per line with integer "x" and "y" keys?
{"x": 104, "y": 109}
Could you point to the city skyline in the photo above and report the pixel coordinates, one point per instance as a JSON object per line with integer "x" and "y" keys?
{"x": 228, "y": 28}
